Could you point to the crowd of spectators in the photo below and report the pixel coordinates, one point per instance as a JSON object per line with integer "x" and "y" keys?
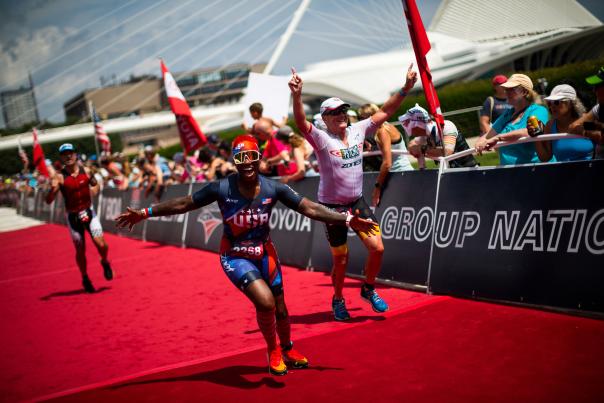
{"x": 528, "y": 116}
{"x": 506, "y": 116}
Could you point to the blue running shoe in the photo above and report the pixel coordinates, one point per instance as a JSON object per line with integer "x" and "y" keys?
{"x": 370, "y": 295}
{"x": 340, "y": 313}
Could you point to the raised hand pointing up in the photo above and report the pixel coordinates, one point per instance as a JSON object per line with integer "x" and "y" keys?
{"x": 411, "y": 78}
{"x": 295, "y": 84}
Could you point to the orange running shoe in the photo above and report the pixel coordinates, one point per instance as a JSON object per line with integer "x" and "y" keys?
{"x": 293, "y": 357}
{"x": 276, "y": 366}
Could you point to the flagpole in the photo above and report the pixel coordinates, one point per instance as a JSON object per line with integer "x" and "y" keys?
{"x": 96, "y": 143}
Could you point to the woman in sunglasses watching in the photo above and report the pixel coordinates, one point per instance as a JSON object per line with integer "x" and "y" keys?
{"x": 511, "y": 125}
{"x": 565, "y": 108}
{"x": 339, "y": 150}
{"x": 247, "y": 255}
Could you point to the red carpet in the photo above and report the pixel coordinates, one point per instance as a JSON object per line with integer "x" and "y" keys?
{"x": 173, "y": 308}
{"x": 454, "y": 351}
{"x": 166, "y": 306}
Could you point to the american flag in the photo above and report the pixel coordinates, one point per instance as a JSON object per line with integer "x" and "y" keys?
{"x": 22, "y": 154}
{"x": 100, "y": 134}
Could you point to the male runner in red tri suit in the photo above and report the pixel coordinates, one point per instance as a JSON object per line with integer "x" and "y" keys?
{"x": 75, "y": 185}
{"x": 247, "y": 254}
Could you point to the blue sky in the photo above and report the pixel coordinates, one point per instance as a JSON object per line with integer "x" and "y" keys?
{"x": 68, "y": 45}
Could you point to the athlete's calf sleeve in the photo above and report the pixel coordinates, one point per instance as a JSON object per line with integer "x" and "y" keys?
{"x": 340, "y": 254}
{"x": 364, "y": 235}
{"x": 266, "y": 323}
{"x": 284, "y": 329}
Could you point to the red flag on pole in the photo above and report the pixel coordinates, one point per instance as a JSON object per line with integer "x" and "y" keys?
{"x": 191, "y": 136}
{"x": 39, "y": 160}
{"x": 421, "y": 47}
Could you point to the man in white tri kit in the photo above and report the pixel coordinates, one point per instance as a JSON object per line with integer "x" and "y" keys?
{"x": 339, "y": 150}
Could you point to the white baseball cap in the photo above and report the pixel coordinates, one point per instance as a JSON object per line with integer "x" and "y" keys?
{"x": 562, "y": 91}
{"x": 66, "y": 147}
{"x": 415, "y": 117}
{"x": 331, "y": 104}
{"x": 415, "y": 114}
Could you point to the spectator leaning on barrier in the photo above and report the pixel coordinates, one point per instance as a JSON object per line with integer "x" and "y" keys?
{"x": 591, "y": 124}
{"x": 295, "y": 146}
{"x": 275, "y": 157}
{"x": 417, "y": 122}
{"x": 388, "y": 139}
{"x": 494, "y": 105}
{"x": 158, "y": 171}
{"x": 565, "y": 108}
{"x": 212, "y": 164}
{"x": 511, "y": 126}
{"x": 213, "y": 143}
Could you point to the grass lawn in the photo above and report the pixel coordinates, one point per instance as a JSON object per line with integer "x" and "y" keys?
{"x": 486, "y": 159}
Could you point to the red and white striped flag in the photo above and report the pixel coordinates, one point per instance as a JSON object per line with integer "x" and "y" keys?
{"x": 22, "y": 154}
{"x": 101, "y": 135}
{"x": 191, "y": 136}
{"x": 421, "y": 47}
{"x": 39, "y": 160}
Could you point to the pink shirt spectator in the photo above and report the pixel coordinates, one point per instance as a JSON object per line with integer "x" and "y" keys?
{"x": 275, "y": 147}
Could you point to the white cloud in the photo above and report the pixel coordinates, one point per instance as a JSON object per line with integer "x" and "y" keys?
{"x": 61, "y": 91}
{"x": 30, "y": 52}
{"x": 148, "y": 66}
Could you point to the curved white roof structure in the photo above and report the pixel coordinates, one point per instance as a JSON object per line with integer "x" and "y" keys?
{"x": 470, "y": 39}
{"x": 493, "y": 20}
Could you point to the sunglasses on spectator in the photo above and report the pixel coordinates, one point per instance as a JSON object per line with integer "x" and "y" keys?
{"x": 336, "y": 112}
{"x": 556, "y": 102}
{"x": 246, "y": 157}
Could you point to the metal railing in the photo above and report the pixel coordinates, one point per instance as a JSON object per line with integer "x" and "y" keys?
{"x": 445, "y": 160}
{"x": 523, "y": 140}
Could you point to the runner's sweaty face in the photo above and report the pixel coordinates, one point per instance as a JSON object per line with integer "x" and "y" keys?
{"x": 246, "y": 157}
{"x": 247, "y": 163}
{"x": 337, "y": 120}
{"x": 68, "y": 158}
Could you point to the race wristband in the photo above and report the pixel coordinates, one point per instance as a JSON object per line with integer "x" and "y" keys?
{"x": 402, "y": 92}
{"x": 147, "y": 212}
{"x": 348, "y": 219}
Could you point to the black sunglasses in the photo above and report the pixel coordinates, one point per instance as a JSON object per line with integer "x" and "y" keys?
{"x": 335, "y": 112}
{"x": 556, "y": 102}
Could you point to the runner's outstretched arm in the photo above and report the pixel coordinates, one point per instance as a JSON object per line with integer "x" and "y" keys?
{"x": 178, "y": 205}
{"x": 319, "y": 212}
